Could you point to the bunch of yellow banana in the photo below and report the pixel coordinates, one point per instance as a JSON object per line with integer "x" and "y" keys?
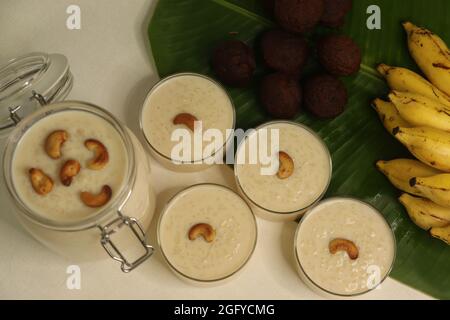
{"x": 418, "y": 115}
{"x": 401, "y": 172}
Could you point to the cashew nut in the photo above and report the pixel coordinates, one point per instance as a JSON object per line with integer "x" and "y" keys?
{"x": 101, "y": 156}
{"x": 97, "y": 200}
{"x": 202, "y": 229}
{"x": 187, "y": 119}
{"x": 344, "y": 245}
{"x": 41, "y": 183}
{"x": 286, "y": 167}
{"x": 69, "y": 170}
{"x": 54, "y": 142}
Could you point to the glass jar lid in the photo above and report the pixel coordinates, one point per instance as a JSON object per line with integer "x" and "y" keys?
{"x": 29, "y": 81}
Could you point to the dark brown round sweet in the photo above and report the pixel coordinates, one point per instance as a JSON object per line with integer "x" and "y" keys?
{"x": 298, "y": 16}
{"x": 234, "y": 63}
{"x": 335, "y": 12}
{"x": 339, "y": 55}
{"x": 281, "y": 95}
{"x": 285, "y": 52}
{"x": 325, "y": 96}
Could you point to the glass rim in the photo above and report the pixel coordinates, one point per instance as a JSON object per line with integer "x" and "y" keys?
{"x": 315, "y": 135}
{"x": 93, "y": 219}
{"x": 311, "y": 211}
{"x": 161, "y": 82}
{"x": 164, "y": 211}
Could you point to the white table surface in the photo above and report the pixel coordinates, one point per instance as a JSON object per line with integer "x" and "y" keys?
{"x": 109, "y": 58}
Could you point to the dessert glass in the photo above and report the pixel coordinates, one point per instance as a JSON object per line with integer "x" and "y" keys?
{"x": 336, "y": 275}
{"x": 268, "y": 195}
{"x": 186, "y": 93}
{"x": 197, "y": 261}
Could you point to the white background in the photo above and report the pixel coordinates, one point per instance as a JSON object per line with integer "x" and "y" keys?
{"x": 111, "y": 64}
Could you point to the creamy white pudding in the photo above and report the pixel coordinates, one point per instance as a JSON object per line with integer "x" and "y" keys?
{"x": 232, "y": 230}
{"x": 344, "y": 247}
{"x": 276, "y": 198}
{"x": 185, "y": 94}
{"x": 63, "y": 203}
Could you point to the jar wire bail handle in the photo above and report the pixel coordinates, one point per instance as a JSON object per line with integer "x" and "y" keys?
{"x": 14, "y": 116}
{"x": 39, "y": 98}
{"x": 114, "y": 252}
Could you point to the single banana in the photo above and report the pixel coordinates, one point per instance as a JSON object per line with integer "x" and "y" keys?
{"x": 424, "y": 213}
{"x": 405, "y": 80}
{"x": 389, "y": 115}
{"x": 401, "y": 171}
{"x": 436, "y": 188}
{"x": 429, "y": 145}
{"x": 431, "y": 55}
{"x": 441, "y": 233}
{"x": 421, "y": 111}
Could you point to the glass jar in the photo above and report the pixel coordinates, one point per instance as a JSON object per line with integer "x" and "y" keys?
{"x": 118, "y": 226}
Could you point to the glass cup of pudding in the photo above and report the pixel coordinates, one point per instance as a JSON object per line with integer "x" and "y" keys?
{"x": 187, "y": 120}
{"x": 302, "y": 175}
{"x": 80, "y": 181}
{"x": 344, "y": 248}
{"x": 207, "y": 234}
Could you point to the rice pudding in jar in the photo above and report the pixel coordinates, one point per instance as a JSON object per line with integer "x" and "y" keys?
{"x": 72, "y": 167}
{"x": 207, "y": 233}
{"x": 64, "y": 202}
{"x": 344, "y": 248}
{"x": 302, "y": 174}
{"x": 188, "y": 104}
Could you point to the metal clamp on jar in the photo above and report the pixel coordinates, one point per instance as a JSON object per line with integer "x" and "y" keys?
{"x": 64, "y": 208}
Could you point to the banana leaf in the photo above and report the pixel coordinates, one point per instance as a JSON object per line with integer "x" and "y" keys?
{"x": 182, "y": 34}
